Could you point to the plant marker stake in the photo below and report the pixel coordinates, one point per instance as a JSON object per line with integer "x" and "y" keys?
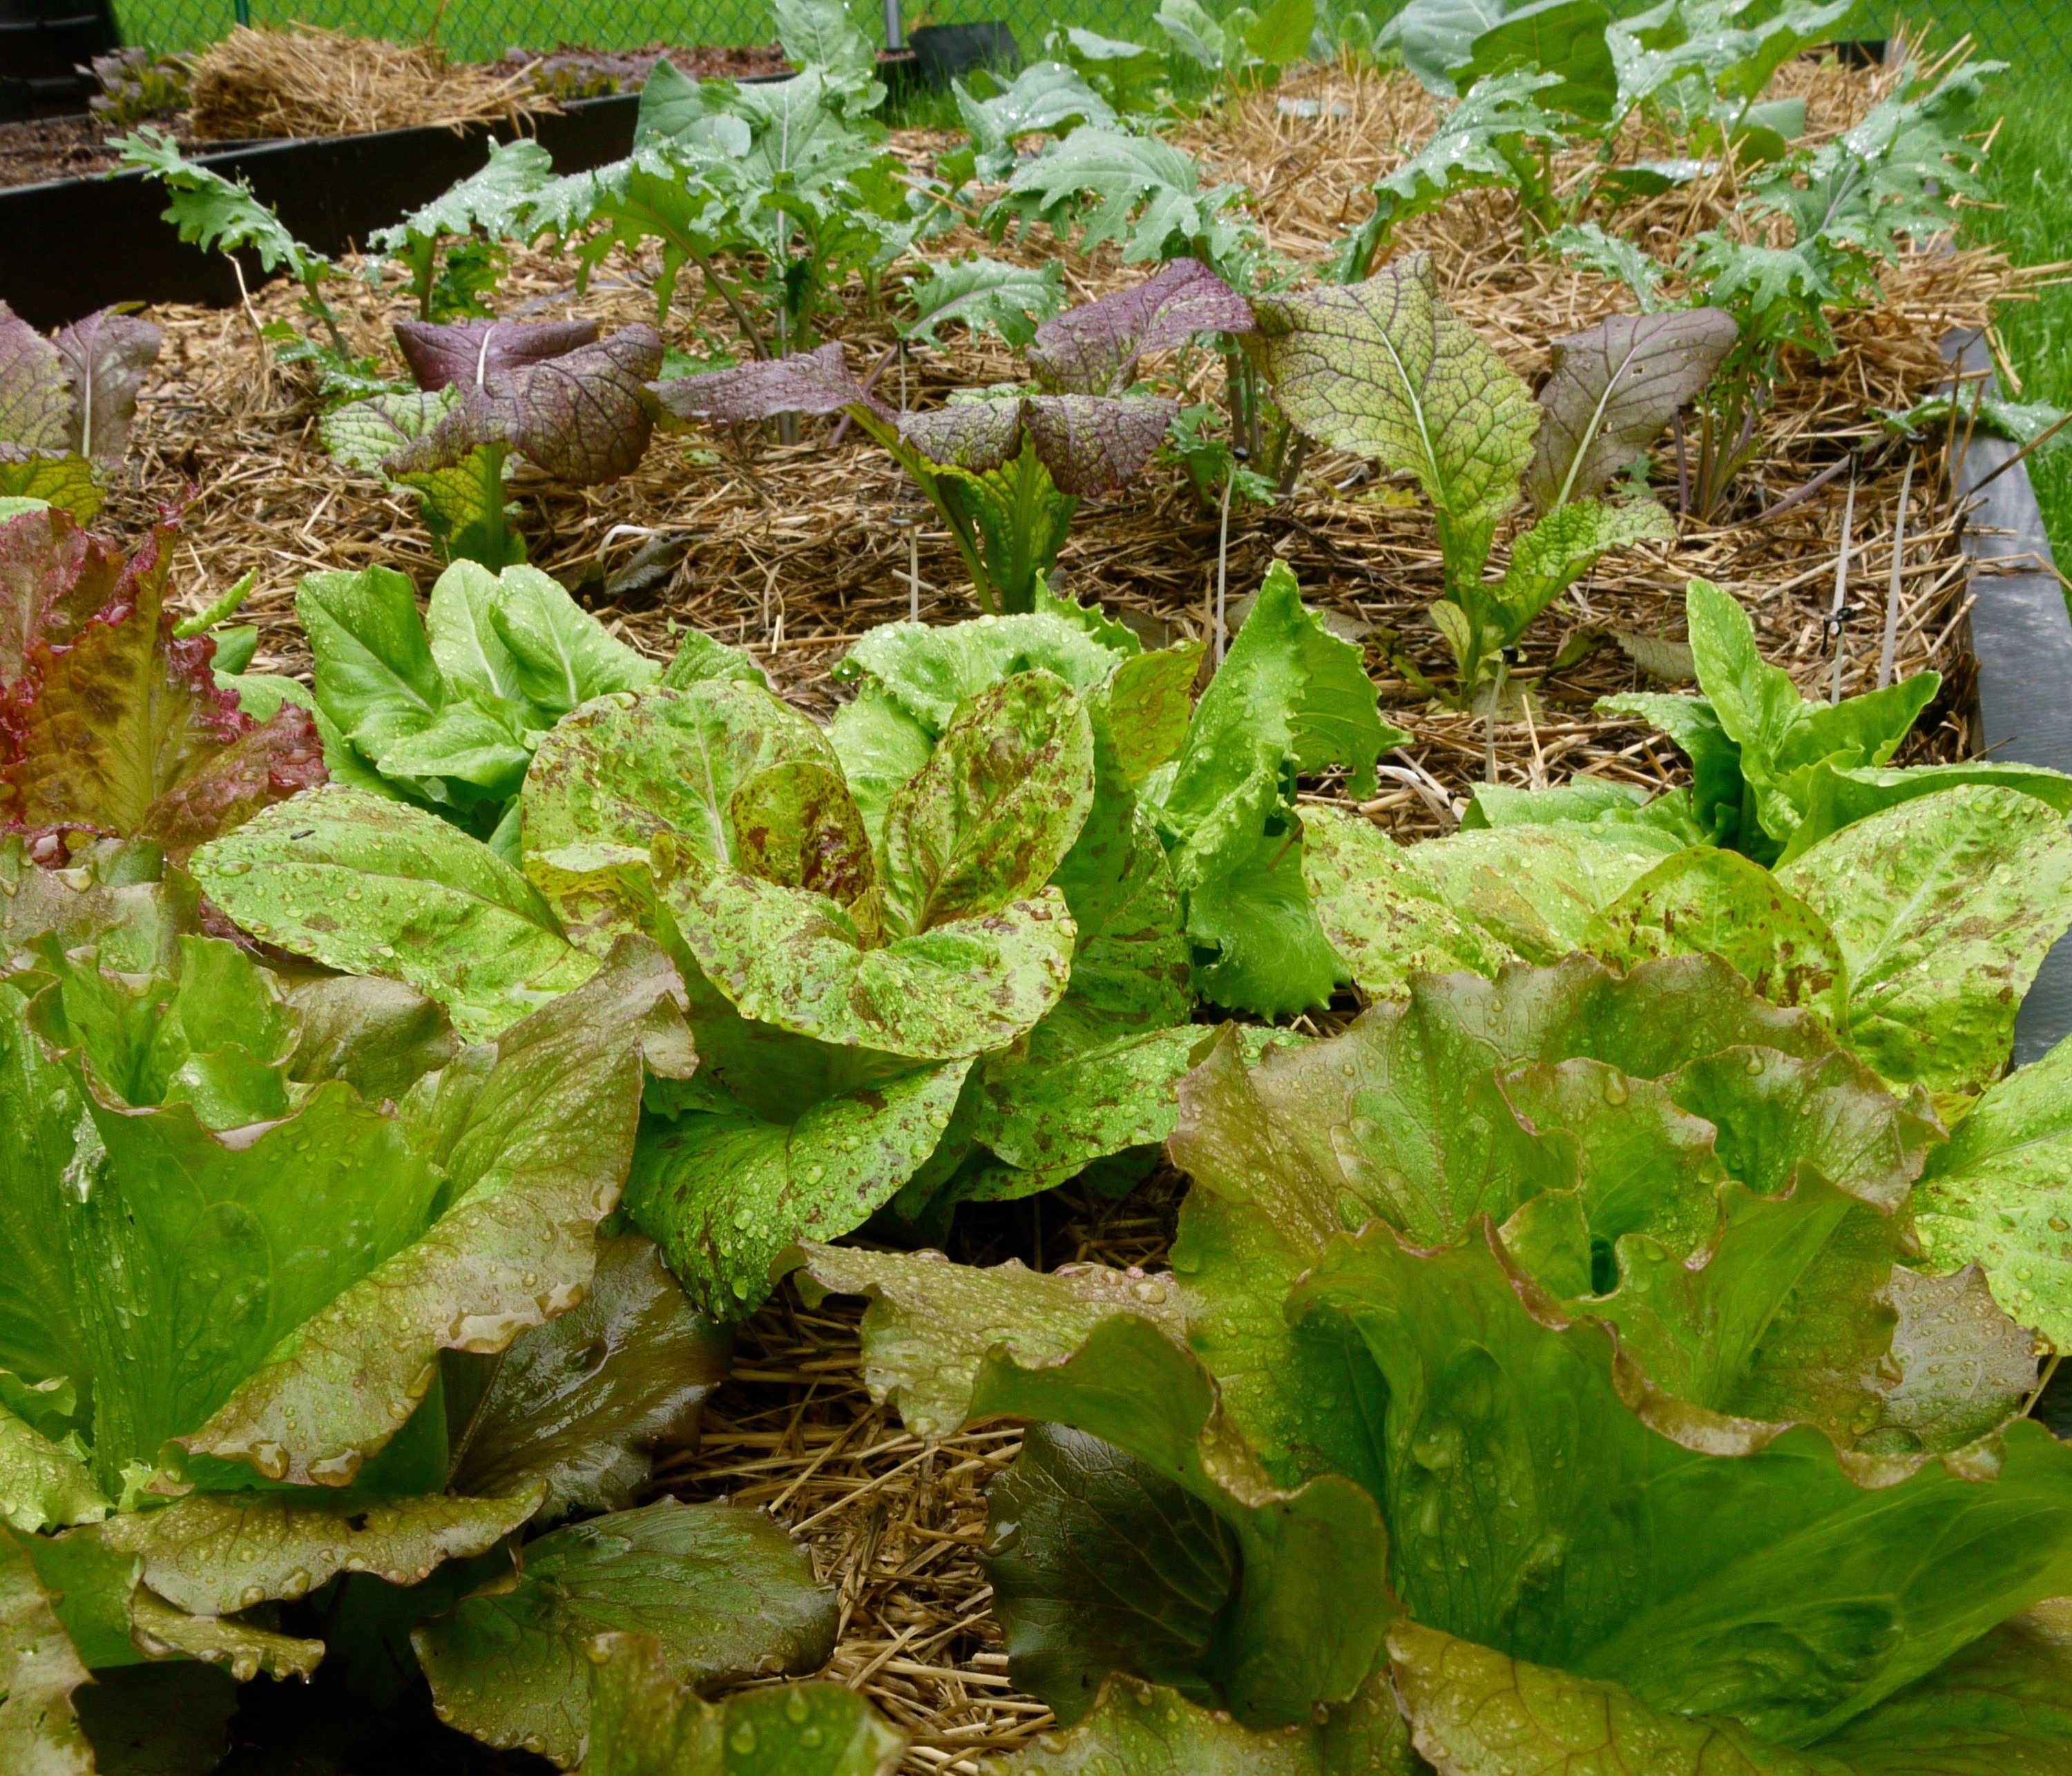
{"x": 1223, "y": 561}
{"x": 1841, "y": 590}
{"x": 913, "y": 566}
{"x": 1892, "y": 589}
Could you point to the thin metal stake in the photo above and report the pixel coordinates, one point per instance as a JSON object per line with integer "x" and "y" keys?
{"x": 1222, "y": 561}
{"x": 913, "y": 572}
{"x": 1842, "y": 588}
{"x": 1892, "y": 589}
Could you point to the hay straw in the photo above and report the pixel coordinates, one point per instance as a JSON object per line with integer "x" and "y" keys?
{"x": 302, "y": 81}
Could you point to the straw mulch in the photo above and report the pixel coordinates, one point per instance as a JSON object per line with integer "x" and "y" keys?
{"x": 302, "y": 81}
{"x": 792, "y": 553}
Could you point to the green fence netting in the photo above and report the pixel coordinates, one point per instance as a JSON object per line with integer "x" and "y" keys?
{"x": 2034, "y": 35}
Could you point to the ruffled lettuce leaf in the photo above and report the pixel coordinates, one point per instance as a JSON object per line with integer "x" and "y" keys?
{"x": 644, "y": 1722}
{"x": 40, "y": 1727}
{"x": 1290, "y": 698}
{"x": 113, "y": 725}
{"x": 724, "y": 1592}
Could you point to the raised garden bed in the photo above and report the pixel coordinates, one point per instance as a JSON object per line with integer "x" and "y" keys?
{"x": 791, "y": 553}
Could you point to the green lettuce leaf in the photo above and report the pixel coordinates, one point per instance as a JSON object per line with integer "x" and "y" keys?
{"x": 379, "y": 887}
{"x": 644, "y": 1722}
{"x": 1943, "y": 908}
{"x": 39, "y": 1728}
{"x": 2000, "y": 1194}
{"x": 1098, "y": 1351}
{"x": 725, "y": 1591}
{"x": 1147, "y": 1730}
{"x": 1702, "y": 1556}
{"x": 578, "y": 1404}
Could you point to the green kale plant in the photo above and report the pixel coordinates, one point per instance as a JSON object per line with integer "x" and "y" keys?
{"x": 1546, "y": 1369}
{"x": 1385, "y": 369}
{"x": 1007, "y": 468}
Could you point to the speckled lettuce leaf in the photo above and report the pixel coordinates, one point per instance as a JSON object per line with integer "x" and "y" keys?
{"x": 928, "y": 671}
{"x": 105, "y": 357}
{"x": 378, "y": 887}
{"x": 1099, "y": 1564}
{"x": 1839, "y": 796}
{"x": 1611, "y": 391}
{"x": 582, "y": 416}
{"x": 1999, "y": 1195}
{"x": 534, "y": 1134}
{"x": 212, "y": 1554}
{"x": 723, "y": 1191}
{"x": 699, "y": 657}
{"x": 578, "y": 1404}
{"x": 1384, "y": 369}
{"x": 990, "y": 816}
{"x": 465, "y": 354}
{"x": 1147, "y": 1730}
{"x": 1384, "y": 916}
{"x": 40, "y": 1734}
{"x": 115, "y": 725}
{"x": 1685, "y": 1564}
{"x": 644, "y": 1722}
{"x": 1708, "y": 901}
{"x": 1547, "y": 558}
{"x": 1101, "y": 1352}
{"x": 626, "y": 769}
{"x": 806, "y": 382}
{"x": 1475, "y": 1711}
{"x": 1537, "y": 889}
{"x": 1094, "y": 349}
{"x": 725, "y": 1591}
{"x": 1096, "y": 444}
{"x": 796, "y": 960}
{"x": 1942, "y": 907}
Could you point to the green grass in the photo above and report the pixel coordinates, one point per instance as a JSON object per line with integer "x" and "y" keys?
{"x": 2031, "y": 178}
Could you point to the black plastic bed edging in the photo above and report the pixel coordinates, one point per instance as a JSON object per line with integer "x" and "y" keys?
{"x": 73, "y": 245}
{"x": 2021, "y": 635}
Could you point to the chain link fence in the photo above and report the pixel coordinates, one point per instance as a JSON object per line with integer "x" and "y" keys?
{"x": 2033, "y": 36}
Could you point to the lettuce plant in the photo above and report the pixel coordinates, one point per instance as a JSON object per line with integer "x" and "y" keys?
{"x": 947, "y": 949}
{"x": 1385, "y": 369}
{"x": 1561, "y": 1334}
{"x": 111, "y": 725}
{"x": 305, "y": 1302}
{"x": 446, "y": 710}
{"x": 1005, "y": 468}
{"x": 551, "y": 391}
{"x": 1907, "y": 910}
{"x": 67, "y": 404}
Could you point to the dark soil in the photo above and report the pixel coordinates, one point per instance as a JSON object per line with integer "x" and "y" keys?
{"x": 68, "y": 147}
{"x": 576, "y": 71}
